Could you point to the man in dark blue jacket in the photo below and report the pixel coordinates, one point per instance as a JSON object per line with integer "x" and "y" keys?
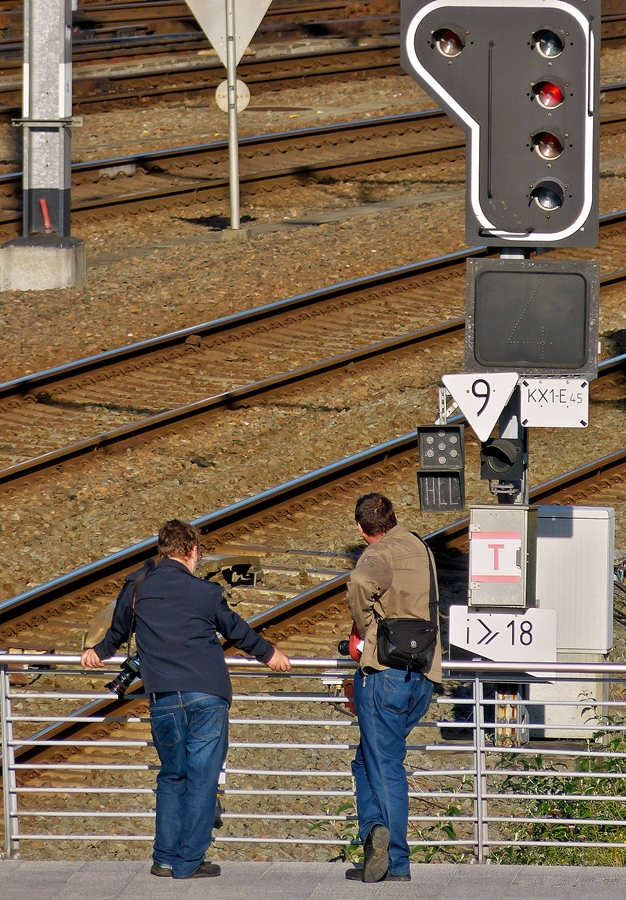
{"x": 178, "y": 618}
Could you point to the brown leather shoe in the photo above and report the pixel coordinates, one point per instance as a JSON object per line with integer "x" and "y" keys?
{"x": 161, "y": 871}
{"x": 204, "y": 870}
{"x": 375, "y": 853}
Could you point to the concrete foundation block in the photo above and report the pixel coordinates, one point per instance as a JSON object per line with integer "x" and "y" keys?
{"x": 42, "y": 262}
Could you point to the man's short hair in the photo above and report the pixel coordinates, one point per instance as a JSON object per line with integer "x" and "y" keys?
{"x": 375, "y": 514}
{"x": 177, "y": 538}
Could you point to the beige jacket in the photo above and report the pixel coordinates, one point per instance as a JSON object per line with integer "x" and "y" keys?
{"x": 391, "y": 578}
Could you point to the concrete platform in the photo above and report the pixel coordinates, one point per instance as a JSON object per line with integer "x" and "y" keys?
{"x": 21, "y": 880}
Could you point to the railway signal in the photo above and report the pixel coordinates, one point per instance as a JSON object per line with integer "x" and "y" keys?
{"x": 502, "y": 459}
{"x": 521, "y": 78}
{"x": 532, "y": 316}
{"x": 441, "y": 477}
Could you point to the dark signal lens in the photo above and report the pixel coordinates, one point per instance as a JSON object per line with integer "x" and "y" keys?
{"x": 547, "y": 145}
{"x": 448, "y": 42}
{"x": 548, "y": 43}
{"x": 548, "y": 94}
{"x": 548, "y": 195}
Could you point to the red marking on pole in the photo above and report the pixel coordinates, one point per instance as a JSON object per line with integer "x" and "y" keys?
{"x": 47, "y": 224}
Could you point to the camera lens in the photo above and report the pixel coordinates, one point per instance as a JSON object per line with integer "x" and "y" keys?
{"x": 128, "y": 673}
{"x": 343, "y": 648}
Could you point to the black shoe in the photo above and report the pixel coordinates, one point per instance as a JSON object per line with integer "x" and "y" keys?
{"x": 161, "y": 871}
{"x": 357, "y": 875}
{"x": 375, "y": 851}
{"x": 204, "y": 870}
{"x": 354, "y": 874}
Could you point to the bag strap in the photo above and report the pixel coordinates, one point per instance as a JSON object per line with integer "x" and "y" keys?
{"x": 433, "y": 603}
{"x": 133, "y": 603}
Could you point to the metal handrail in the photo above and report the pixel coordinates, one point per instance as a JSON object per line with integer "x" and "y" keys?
{"x": 492, "y": 797}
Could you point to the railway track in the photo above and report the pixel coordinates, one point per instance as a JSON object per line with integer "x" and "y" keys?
{"x": 137, "y": 27}
{"x": 145, "y": 182}
{"x": 182, "y": 74}
{"x": 130, "y": 394}
{"x": 145, "y": 29}
{"x": 23, "y": 617}
{"x": 321, "y": 496}
{"x": 102, "y": 86}
{"x": 157, "y": 180}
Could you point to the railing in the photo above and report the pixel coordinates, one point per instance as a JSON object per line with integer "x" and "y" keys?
{"x": 518, "y": 763}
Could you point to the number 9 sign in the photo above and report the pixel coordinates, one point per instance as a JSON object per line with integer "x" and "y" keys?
{"x": 481, "y": 398}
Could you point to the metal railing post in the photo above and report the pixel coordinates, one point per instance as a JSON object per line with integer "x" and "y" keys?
{"x": 9, "y": 784}
{"x": 480, "y": 766}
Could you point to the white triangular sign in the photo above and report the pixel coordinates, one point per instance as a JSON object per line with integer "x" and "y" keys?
{"x": 482, "y": 396}
{"x": 211, "y": 16}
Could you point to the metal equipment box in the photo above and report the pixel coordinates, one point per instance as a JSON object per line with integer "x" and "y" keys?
{"x": 502, "y": 556}
{"x": 575, "y": 550}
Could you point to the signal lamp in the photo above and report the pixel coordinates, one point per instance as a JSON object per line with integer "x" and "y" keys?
{"x": 548, "y": 43}
{"x": 441, "y": 446}
{"x": 548, "y": 195}
{"x": 440, "y": 479}
{"x": 548, "y": 94}
{"x": 547, "y": 145}
{"x": 448, "y": 42}
{"x": 502, "y": 459}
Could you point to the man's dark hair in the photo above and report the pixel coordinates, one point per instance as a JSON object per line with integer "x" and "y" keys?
{"x": 177, "y": 538}
{"x": 375, "y": 514}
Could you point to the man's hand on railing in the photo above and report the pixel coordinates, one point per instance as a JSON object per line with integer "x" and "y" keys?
{"x": 278, "y": 662}
{"x": 91, "y": 660}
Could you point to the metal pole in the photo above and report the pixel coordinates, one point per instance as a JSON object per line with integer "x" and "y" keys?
{"x": 479, "y": 765}
{"x": 233, "y": 143}
{"x": 9, "y": 786}
{"x": 511, "y": 427}
{"x": 47, "y": 116}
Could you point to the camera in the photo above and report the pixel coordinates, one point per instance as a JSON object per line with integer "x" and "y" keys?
{"x": 127, "y": 674}
{"x": 353, "y": 646}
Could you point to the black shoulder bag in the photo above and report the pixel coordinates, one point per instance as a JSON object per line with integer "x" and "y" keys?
{"x": 410, "y": 643}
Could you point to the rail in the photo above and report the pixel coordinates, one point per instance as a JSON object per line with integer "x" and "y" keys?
{"x": 497, "y": 772}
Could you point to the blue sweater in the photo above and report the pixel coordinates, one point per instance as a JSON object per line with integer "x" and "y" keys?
{"x": 177, "y": 620}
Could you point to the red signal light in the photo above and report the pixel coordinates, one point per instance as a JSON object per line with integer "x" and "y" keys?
{"x": 548, "y": 94}
{"x": 547, "y": 145}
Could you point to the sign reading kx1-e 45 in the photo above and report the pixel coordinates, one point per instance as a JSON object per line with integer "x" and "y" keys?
{"x": 521, "y": 78}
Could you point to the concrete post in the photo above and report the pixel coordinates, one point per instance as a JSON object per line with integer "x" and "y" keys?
{"x": 46, "y": 256}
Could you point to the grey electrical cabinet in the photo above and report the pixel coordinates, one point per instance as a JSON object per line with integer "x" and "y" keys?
{"x": 575, "y": 556}
{"x": 502, "y": 556}
{"x": 575, "y": 549}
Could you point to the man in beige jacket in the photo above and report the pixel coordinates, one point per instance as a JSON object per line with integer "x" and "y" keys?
{"x": 393, "y": 578}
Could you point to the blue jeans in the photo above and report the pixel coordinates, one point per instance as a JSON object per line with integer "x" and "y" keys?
{"x": 190, "y": 733}
{"x": 389, "y": 704}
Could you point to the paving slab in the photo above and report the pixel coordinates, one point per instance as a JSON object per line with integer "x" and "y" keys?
{"x": 110, "y": 880}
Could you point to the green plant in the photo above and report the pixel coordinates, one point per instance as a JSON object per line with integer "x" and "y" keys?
{"x": 427, "y": 852}
{"x": 593, "y": 802}
{"x": 343, "y": 829}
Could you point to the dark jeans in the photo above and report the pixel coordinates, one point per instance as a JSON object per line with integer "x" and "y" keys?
{"x": 190, "y": 733}
{"x": 389, "y": 704}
